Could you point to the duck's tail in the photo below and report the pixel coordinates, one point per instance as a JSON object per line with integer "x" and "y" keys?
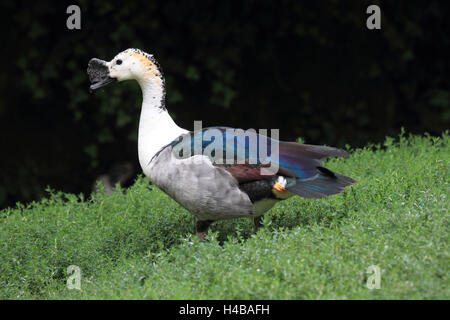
{"x": 301, "y": 162}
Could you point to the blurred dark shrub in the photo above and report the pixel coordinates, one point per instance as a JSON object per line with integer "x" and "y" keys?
{"x": 312, "y": 69}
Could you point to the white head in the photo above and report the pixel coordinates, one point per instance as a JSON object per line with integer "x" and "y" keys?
{"x": 131, "y": 64}
{"x": 134, "y": 64}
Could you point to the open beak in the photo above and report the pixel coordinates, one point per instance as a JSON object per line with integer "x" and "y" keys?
{"x": 98, "y": 73}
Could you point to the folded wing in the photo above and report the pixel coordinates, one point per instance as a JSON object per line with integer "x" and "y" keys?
{"x": 244, "y": 154}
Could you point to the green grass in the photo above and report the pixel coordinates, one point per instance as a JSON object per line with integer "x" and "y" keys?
{"x": 140, "y": 245}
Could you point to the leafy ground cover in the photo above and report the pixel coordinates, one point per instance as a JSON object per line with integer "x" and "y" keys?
{"x": 140, "y": 244}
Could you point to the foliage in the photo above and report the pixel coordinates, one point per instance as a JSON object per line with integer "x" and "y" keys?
{"x": 139, "y": 244}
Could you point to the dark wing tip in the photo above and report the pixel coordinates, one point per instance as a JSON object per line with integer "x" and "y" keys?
{"x": 311, "y": 151}
{"x": 325, "y": 151}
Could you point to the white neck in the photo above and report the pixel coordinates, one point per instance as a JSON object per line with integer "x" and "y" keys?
{"x": 156, "y": 127}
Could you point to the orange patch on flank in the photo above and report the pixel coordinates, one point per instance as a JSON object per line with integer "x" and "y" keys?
{"x": 279, "y": 188}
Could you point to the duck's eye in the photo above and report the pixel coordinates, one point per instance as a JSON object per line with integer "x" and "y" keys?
{"x": 119, "y": 61}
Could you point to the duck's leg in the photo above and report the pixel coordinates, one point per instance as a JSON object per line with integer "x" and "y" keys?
{"x": 201, "y": 227}
{"x": 257, "y": 222}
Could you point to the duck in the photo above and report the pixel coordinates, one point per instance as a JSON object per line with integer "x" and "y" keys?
{"x": 214, "y": 172}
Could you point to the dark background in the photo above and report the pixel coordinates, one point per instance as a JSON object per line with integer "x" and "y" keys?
{"x": 310, "y": 68}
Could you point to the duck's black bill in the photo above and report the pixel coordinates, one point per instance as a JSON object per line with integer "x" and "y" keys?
{"x": 98, "y": 74}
